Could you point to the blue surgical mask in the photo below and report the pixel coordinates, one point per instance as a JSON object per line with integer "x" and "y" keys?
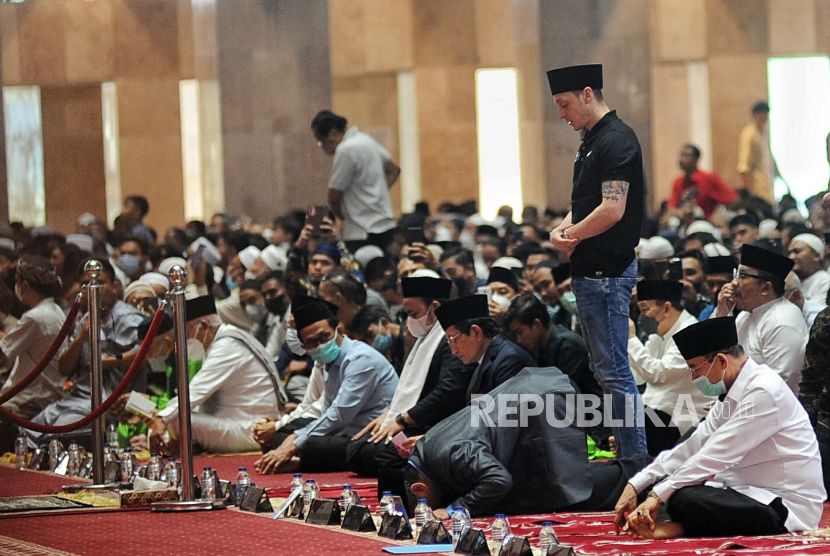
{"x": 129, "y": 263}
{"x": 230, "y": 283}
{"x": 706, "y": 387}
{"x": 382, "y": 342}
{"x": 326, "y": 353}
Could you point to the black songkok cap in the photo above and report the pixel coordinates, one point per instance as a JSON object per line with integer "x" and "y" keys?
{"x": 575, "y": 78}
{"x": 505, "y": 276}
{"x": 461, "y": 309}
{"x": 426, "y": 286}
{"x": 144, "y": 326}
{"x": 766, "y": 260}
{"x": 448, "y": 246}
{"x": 705, "y": 337}
{"x": 199, "y": 307}
{"x": 487, "y": 230}
{"x": 310, "y": 313}
{"x": 721, "y": 265}
{"x": 561, "y": 273}
{"x": 663, "y": 290}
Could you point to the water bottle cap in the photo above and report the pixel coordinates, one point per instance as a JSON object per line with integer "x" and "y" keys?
{"x": 387, "y": 493}
{"x": 547, "y": 524}
{"x": 171, "y": 459}
{"x": 422, "y": 500}
{"x": 310, "y": 481}
{"x": 154, "y": 454}
{"x": 205, "y": 468}
{"x": 296, "y": 475}
{"x": 243, "y": 468}
{"x": 347, "y": 485}
{"x": 127, "y": 450}
{"x": 499, "y": 516}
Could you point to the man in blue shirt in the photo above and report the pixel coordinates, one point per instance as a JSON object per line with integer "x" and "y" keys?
{"x": 359, "y": 386}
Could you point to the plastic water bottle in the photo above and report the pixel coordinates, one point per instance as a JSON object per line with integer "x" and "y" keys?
{"x": 55, "y": 450}
{"x": 346, "y": 498}
{"x": 73, "y": 467}
{"x": 387, "y": 504}
{"x": 171, "y": 473}
{"x": 547, "y": 537}
{"x": 112, "y": 436}
{"x": 500, "y": 529}
{"x": 21, "y": 451}
{"x": 243, "y": 481}
{"x": 127, "y": 466}
{"x": 310, "y": 492}
{"x": 297, "y": 482}
{"x": 460, "y": 521}
{"x": 422, "y": 513}
{"x": 154, "y": 467}
{"x": 208, "y": 486}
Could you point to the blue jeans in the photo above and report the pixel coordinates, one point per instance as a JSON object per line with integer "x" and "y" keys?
{"x": 602, "y": 306}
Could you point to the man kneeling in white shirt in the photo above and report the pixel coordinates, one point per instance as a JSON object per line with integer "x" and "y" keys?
{"x": 752, "y": 467}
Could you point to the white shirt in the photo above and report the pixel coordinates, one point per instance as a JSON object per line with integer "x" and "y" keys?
{"x": 313, "y": 403}
{"x": 232, "y": 383}
{"x": 414, "y": 373}
{"x": 814, "y": 291}
{"x": 775, "y": 334}
{"x": 668, "y": 380}
{"x": 758, "y": 441}
{"x": 358, "y": 171}
{"x": 26, "y": 343}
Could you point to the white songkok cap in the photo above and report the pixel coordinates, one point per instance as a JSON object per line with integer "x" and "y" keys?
{"x": 814, "y": 242}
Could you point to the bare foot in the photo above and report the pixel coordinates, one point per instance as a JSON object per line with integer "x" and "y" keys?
{"x": 667, "y": 530}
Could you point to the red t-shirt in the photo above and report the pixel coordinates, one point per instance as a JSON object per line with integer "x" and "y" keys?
{"x": 707, "y": 189}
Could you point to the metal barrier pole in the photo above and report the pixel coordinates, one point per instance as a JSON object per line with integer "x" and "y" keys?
{"x": 93, "y": 270}
{"x": 178, "y": 281}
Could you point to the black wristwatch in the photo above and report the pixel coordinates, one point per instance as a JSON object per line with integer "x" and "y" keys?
{"x": 400, "y": 420}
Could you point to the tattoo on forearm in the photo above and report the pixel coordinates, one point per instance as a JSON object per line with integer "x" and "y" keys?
{"x": 615, "y": 190}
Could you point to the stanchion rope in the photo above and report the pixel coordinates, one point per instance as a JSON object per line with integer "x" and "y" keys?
{"x": 98, "y": 411}
{"x": 48, "y": 356}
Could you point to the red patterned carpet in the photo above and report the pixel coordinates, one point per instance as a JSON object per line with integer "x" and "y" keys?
{"x": 233, "y": 532}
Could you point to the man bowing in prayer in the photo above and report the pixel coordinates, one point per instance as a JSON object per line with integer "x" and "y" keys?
{"x": 752, "y": 467}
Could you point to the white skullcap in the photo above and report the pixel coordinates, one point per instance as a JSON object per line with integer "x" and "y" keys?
{"x": 766, "y": 227}
{"x": 248, "y": 255}
{"x": 86, "y": 219}
{"x": 508, "y": 262}
{"x": 138, "y": 287}
{"x": 436, "y": 251}
{"x": 170, "y": 262}
{"x": 275, "y": 257}
{"x": 715, "y": 250}
{"x": 424, "y": 273}
{"x": 267, "y": 233}
{"x": 230, "y": 311}
{"x": 155, "y": 278}
{"x": 367, "y": 253}
{"x": 700, "y": 226}
{"x": 81, "y": 241}
{"x": 210, "y": 254}
{"x": 7, "y": 243}
{"x": 792, "y": 216}
{"x": 656, "y": 247}
{"x": 814, "y": 242}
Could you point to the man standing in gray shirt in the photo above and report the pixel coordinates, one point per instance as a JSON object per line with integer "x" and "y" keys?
{"x": 361, "y": 175}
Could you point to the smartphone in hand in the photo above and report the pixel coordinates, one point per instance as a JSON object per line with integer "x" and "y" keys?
{"x": 315, "y": 215}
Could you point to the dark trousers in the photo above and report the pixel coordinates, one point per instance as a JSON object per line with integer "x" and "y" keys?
{"x": 319, "y": 454}
{"x": 381, "y": 240}
{"x": 609, "y": 479}
{"x": 377, "y": 460}
{"x": 659, "y": 438}
{"x": 706, "y": 511}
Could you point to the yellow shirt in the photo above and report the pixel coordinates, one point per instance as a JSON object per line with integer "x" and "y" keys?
{"x": 755, "y": 159}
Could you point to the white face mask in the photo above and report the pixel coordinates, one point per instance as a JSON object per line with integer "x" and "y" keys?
{"x": 195, "y": 350}
{"x": 292, "y": 339}
{"x": 419, "y": 327}
{"x": 501, "y": 300}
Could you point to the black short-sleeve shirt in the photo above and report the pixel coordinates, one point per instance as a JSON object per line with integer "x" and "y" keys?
{"x": 609, "y": 151}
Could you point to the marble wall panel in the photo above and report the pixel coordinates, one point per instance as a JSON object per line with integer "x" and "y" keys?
{"x": 735, "y": 27}
{"x": 671, "y": 127}
{"x": 90, "y": 42}
{"x": 445, "y": 33}
{"x": 42, "y": 61}
{"x": 678, "y": 29}
{"x": 348, "y": 35}
{"x": 792, "y": 27}
{"x": 9, "y": 45}
{"x": 822, "y": 21}
{"x": 389, "y": 36}
{"x": 146, "y": 38}
{"x": 73, "y": 154}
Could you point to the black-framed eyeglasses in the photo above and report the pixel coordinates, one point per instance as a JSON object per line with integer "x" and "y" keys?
{"x": 453, "y": 339}
{"x": 318, "y": 340}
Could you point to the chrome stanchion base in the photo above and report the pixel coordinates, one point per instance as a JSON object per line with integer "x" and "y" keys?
{"x": 192, "y": 506}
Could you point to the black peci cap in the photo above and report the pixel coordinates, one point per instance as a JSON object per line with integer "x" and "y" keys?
{"x": 575, "y": 78}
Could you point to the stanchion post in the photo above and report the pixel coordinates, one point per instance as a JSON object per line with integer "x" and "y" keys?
{"x": 178, "y": 281}
{"x": 93, "y": 270}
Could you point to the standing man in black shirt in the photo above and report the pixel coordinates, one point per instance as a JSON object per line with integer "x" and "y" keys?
{"x": 600, "y": 233}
